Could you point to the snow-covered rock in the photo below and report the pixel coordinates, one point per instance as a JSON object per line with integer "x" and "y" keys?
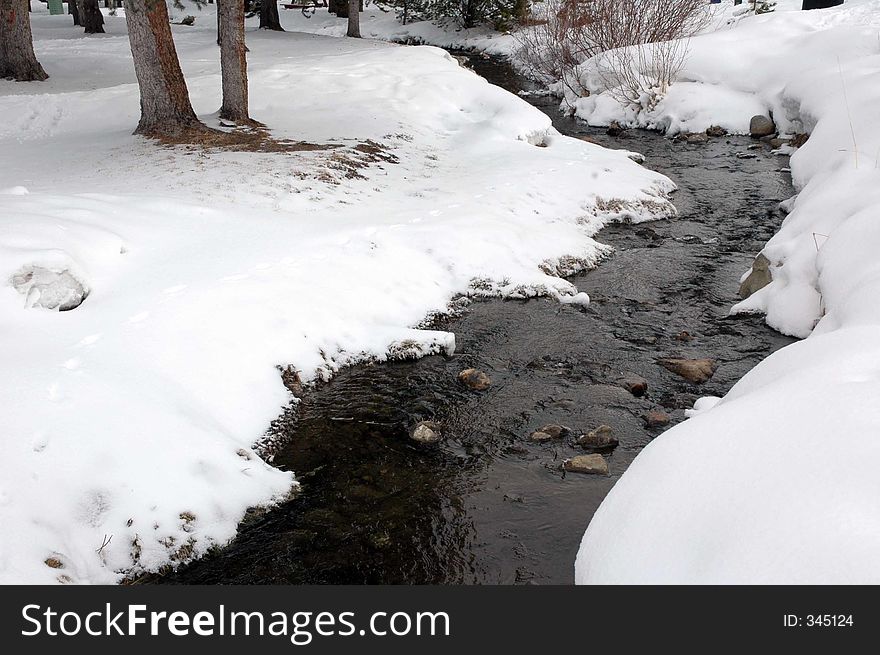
{"x": 49, "y": 289}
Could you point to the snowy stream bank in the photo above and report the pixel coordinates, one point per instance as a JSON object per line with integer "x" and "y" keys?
{"x": 128, "y": 423}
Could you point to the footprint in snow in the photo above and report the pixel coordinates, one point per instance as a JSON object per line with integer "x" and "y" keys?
{"x": 90, "y": 340}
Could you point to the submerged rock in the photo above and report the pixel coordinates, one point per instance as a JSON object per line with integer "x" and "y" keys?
{"x": 696, "y": 137}
{"x": 49, "y": 289}
{"x": 615, "y": 129}
{"x": 761, "y": 126}
{"x": 601, "y": 438}
{"x": 692, "y": 370}
{"x": 594, "y": 464}
{"x": 426, "y": 432}
{"x": 474, "y": 379}
{"x": 759, "y": 277}
{"x": 551, "y": 431}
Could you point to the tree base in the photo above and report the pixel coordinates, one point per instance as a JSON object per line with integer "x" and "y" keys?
{"x": 30, "y": 74}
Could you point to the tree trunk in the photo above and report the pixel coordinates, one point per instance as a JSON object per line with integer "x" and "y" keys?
{"x": 269, "y": 19}
{"x": 73, "y": 10}
{"x": 92, "y": 18}
{"x": 165, "y": 105}
{"x": 354, "y": 19}
{"x": 17, "y": 58}
{"x": 233, "y": 61}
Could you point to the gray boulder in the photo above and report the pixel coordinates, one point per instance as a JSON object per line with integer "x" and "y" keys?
{"x": 761, "y": 126}
{"x": 759, "y": 277}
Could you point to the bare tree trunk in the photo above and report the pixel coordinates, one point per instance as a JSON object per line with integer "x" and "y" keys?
{"x": 17, "y": 58}
{"x": 92, "y": 18}
{"x": 233, "y": 61}
{"x": 165, "y": 105}
{"x": 269, "y": 19}
{"x": 354, "y": 19}
{"x": 73, "y": 10}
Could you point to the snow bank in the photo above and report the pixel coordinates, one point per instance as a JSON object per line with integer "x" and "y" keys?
{"x": 777, "y": 482}
{"x": 128, "y": 423}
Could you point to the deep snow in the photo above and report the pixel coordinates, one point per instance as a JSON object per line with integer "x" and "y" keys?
{"x": 129, "y": 423}
{"x": 776, "y": 482}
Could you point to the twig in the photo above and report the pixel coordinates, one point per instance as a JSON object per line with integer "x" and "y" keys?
{"x": 852, "y": 129}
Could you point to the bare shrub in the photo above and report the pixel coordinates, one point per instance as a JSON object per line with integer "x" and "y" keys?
{"x": 637, "y": 46}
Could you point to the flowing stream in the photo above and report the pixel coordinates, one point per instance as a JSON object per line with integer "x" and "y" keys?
{"x": 489, "y": 505}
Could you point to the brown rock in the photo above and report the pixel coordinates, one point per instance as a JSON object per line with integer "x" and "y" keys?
{"x": 696, "y": 137}
{"x": 692, "y": 370}
{"x": 54, "y": 563}
{"x": 601, "y": 438}
{"x": 474, "y": 379}
{"x": 715, "y": 130}
{"x": 635, "y": 384}
{"x": 551, "y": 431}
{"x": 615, "y": 129}
{"x": 683, "y": 336}
{"x": 798, "y": 140}
{"x": 656, "y": 418}
{"x": 594, "y": 464}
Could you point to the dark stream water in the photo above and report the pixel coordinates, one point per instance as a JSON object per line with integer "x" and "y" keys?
{"x": 488, "y": 505}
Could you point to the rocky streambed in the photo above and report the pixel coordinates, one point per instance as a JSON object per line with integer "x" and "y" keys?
{"x": 501, "y": 480}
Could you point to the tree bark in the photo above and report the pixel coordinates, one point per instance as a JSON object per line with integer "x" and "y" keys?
{"x": 354, "y": 19}
{"x": 233, "y": 61}
{"x": 165, "y": 106}
{"x": 17, "y": 58}
{"x": 92, "y": 18}
{"x": 269, "y": 19}
{"x": 73, "y": 10}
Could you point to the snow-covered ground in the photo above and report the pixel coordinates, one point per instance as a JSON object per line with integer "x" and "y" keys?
{"x": 128, "y": 424}
{"x": 777, "y": 482}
